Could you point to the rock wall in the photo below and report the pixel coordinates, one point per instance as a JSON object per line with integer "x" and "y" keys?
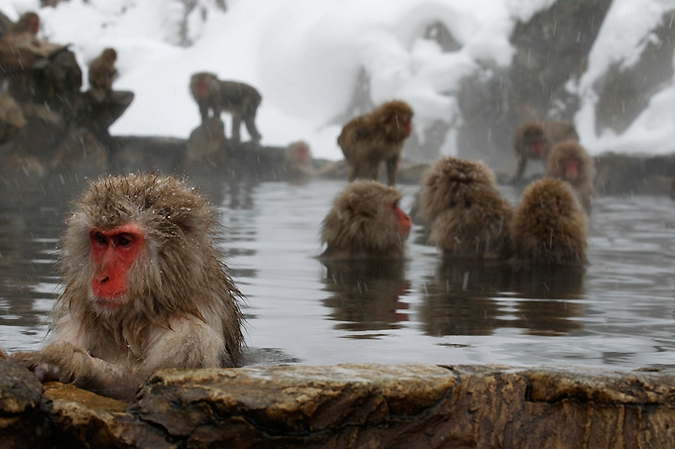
{"x": 387, "y": 406}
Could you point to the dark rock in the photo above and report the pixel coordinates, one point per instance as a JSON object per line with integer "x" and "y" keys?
{"x": 624, "y": 92}
{"x": 622, "y": 174}
{"x": 551, "y": 49}
{"x": 22, "y": 424}
{"x": 440, "y": 33}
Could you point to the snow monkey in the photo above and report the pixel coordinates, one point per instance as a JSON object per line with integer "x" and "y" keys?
{"x": 366, "y": 223}
{"x": 239, "y": 99}
{"x": 145, "y": 288}
{"x": 102, "y": 71}
{"x": 534, "y": 140}
{"x": 465, "y": 214}
{"x": 369, "y": 139}
{"x": 549, "y": 226}
{"x": 570, "y": 162}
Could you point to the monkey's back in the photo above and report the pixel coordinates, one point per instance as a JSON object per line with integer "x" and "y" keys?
{"x": 467, "y": 215}
{"x": 233, "y": 94}
{"x": 549, "y": 226}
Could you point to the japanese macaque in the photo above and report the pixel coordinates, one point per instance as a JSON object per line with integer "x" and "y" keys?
{"x": 366, "y": 223}
{"x": 102, "y": 71}
{"x": 465, "y": 214}
{"x": 534, "y": 141}
{"x": 298, "y": 161}
{"x": 570, "y": 162}
{"x": 20, "y": 46}
{"x": 239, "y": 99}
{"x": 29, "y": 22}
{"x": 549, "y": 226}
{"x": 145, "y": 288}
{"x": 369, "y": 139}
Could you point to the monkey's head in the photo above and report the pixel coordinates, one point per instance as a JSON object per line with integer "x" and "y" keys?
{"x": 568, "y": 160}
{"x": 396, "y": 118}
{"x": 550, "y": 197}
{"x": 30, "y": 22}
{"x": 530, "y": 141}
{"x": 109, "y": 55}
{"x": 366, "y": 220}
{"x": 201, "y": 83}
{"x": 455, "y": 183}
{"x": 298, "y": 152}
{"x": 138, "y": 238}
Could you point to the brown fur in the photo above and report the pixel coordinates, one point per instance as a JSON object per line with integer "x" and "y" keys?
{"x": 297, "y": 163}
{"x": 20, "y": 46}
{"x": 550, "y": 132}
{"x": 583, "y": 182}
{"x": 549, "y": 225}
{"x": 465, "y": 213}
{"x": 29, "y": 22}
{"x": 361, "y": 223}
{"x": 239, "y": 99}
{"x": 102, "y": 71}
{"x": 368, "y": 140}
{"x": 181, "y": 306}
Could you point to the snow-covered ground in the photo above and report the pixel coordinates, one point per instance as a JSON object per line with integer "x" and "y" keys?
{"x": 304, "y": 55}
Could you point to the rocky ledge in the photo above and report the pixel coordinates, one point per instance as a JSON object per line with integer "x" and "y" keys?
{"x": 413, "y": 405}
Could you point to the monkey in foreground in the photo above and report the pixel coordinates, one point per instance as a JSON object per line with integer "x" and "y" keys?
{"x": 239, "y": 99}
{"x": 570, "y": 162}
{"x": 549, "y": 226}
{"x": 366, "y": 223}
{"x": 534, "y": 140}
{"x": 369, "y": 139}
{"x": 465, "y": 213}
{"x": 145, "y": 288}
{"x": 102, "y": 71}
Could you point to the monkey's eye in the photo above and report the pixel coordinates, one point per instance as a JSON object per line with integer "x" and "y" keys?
{"x": 99, "y": 238}
{"x": 124, "y": 240}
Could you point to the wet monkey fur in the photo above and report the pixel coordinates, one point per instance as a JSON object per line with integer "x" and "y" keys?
{"x": 366, "y": 222}
{"x": 145, "y": 288}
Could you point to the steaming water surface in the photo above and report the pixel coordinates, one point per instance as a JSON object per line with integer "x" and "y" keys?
{"x": 619, "y": 312}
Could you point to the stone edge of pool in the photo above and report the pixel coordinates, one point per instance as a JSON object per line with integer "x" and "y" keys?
{"x": 351, "y": 405}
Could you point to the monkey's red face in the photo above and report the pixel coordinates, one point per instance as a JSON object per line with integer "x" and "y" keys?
{"x": 202, "y": 88}
{"x": 571, "y": 169}
{"x": 36, "y": 26}
{"x": 403, "y": 220}
{"x": 538, "y": 148}
{"x": 113, "y": 252}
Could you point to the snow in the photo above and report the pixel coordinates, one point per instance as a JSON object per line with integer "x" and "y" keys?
{"x": 304, "y": 57}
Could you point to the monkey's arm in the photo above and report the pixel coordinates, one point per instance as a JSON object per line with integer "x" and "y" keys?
{"x": 66, "y": 363}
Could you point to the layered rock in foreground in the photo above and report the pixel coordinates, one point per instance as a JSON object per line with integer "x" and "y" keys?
{"x": 371, "y": 405}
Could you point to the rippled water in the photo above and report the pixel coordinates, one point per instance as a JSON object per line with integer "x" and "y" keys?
{"x": 619, "y": 312}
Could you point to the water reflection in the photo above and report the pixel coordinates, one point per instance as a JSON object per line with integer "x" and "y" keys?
{"x": 366, "y": 294}
{"x": 469, "y": 297}
{"x": 620, "y": 311}
{"x": 460, "y": 297}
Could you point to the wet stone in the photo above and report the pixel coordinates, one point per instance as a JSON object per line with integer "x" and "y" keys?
{"x": 366, "y": 405}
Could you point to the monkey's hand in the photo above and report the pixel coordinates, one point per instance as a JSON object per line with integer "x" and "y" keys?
{"x": 66, "y": 363}
{"x": 61, "y": 362}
